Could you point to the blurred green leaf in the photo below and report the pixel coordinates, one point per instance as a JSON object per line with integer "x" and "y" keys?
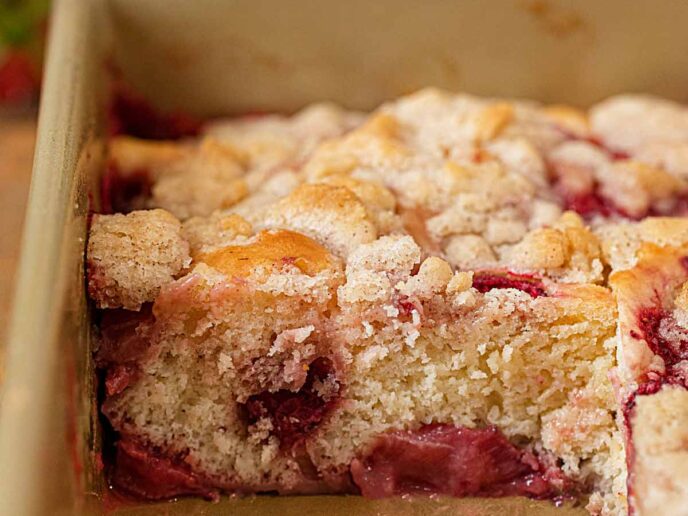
{"x": 20, "y": 21}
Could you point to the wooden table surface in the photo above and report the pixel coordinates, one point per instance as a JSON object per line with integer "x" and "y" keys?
{"x": 17, "y": 136}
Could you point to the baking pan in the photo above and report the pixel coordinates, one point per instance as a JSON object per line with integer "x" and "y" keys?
{"x": 212, "y": 57}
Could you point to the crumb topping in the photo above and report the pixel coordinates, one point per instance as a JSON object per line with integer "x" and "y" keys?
{"x": 131, "y": 257}
{"x": 319, "y": 280}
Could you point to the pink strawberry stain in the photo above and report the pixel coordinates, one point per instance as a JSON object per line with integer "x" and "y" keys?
{"x": 486, "y": 281}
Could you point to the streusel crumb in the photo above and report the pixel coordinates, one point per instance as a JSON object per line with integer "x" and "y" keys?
{"x": 131, "y": 257}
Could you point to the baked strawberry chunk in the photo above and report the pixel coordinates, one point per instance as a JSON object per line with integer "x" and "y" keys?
{"x": 455, "y": 461}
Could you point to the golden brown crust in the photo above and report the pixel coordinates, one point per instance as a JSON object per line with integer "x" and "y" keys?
{"x": 218, "y": 230}
{"x": 492, "y": 120}
{"x": 621, "y": 242}
{"x": 331, "y": 214}
{"x": 567, "y": 251}
{"x": 270, "y": 249}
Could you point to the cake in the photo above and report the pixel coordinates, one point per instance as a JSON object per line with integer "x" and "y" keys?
{"x": 449, "y": 295}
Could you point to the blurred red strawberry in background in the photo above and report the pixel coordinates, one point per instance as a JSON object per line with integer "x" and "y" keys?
{"x": 22, "y": 30}
{"x": 19, "y": 79}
